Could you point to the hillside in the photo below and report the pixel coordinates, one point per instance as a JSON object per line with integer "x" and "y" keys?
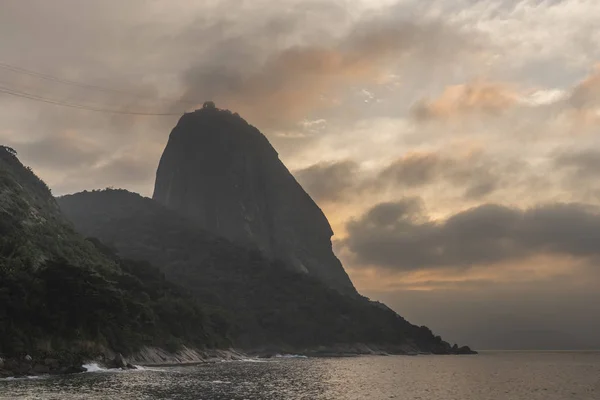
{"x": 272, "y": 307}
{"x": 230, "y": 223}
{"x": 68, "y": 297}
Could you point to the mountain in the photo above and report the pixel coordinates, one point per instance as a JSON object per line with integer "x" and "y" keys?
{"x": 224, "y": 174}
{"x": 270, "y": 306}
{"x": 65, "y": 297}
{"x": 217, "y": 226}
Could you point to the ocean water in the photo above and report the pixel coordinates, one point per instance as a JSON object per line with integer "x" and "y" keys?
{"x": 490, "y": 375}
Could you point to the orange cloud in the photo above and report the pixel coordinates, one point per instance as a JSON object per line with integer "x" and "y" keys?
{"x": 297, "y": 80}
{"x": 583, "y": 105}
{"x": 466, "y": 99}
{"x": 586, "y": 94}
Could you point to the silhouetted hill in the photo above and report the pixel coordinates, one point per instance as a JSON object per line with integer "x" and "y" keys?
{"x": 224, "y": 174}
{"x": 270, "y": 306}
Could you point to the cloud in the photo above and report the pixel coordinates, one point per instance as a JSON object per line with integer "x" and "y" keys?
{"x": 587, "y": 93}
{"x": 578, "y": 171}
{"x": 399, "y": 236}
{"x": 63, "y": 151}
{"x": 466, "y": 100}
{"x": 331, "y": 181}
{"x": 583, "y": 164}
{"x": 337, "y": 182}
{"x": 487, "y": 74}
{"x": 475, "y": 172}
{"x": 569, "y": 110}
{"x": 127, "y": 170}
{"x": 415, "y": 169}
{"x": 275, "y": 87}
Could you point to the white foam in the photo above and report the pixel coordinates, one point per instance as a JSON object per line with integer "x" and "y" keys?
{"x": 290, "y": 356}
{"x": 253, "y": 360}
{"x": 94, "y": 367}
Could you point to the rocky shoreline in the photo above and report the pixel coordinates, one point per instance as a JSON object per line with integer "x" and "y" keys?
{"x": 43, "y": 365}
{"x": 66, "y": 363}
{"x": 359, "y": 349}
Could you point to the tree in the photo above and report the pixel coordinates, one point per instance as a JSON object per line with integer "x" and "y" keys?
{"x": 209, "y": 105}
{"x": 9, "y": 150}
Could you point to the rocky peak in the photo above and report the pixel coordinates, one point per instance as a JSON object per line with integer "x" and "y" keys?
{"x": 224, "y": 174}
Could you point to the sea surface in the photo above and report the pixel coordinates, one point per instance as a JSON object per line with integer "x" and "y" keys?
{"x": 490, "y": 375}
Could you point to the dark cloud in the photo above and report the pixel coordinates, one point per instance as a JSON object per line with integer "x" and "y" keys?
{"x": 476, "y": 173}
{"x": 578, "y": 172}
{"x": 329, "y": 181}
{"x": 415, "y": 169}
{"x": 399, "y": 236}
{"x": 583, "y": 164}
{"x": 481, "y": 189}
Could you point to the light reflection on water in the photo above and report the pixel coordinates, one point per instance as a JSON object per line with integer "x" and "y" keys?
{"x": 526, "y": 376}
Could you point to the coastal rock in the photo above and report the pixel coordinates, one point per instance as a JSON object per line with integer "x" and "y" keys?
{"x": 40, "y": 369}
{"x": 465, "y": 350}
{"x": 30, "y": 366}
{"x": 186, "y": 355}
{"x": 72, "y": 369}
{"x": 119, "y": 362}
{"x": 224, "y": 174}
{"x": 17, "y": 367}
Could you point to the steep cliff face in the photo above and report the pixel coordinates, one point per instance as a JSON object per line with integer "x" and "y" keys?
{"x": 224, "y": 174}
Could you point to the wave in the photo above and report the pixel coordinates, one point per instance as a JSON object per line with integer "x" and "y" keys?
{"x": 253, "y": 360}
{"x": 290, "y": 356}
{"x": 94, "y": 367}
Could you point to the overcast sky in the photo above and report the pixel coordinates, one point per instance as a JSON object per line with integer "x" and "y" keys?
{"x": 453, "y": 144}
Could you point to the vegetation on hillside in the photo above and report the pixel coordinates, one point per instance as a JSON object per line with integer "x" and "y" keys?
{"x": 269, "y": 304}
{"x": 64, "y": 307}
{"x": 62, "y": 293}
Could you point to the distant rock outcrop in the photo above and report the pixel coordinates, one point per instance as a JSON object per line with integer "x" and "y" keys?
{"x": 224, "y": 174}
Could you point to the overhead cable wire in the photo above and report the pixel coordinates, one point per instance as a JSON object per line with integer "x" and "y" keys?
{"x": 34, "y": 97}
{"x": 52, "y": 78}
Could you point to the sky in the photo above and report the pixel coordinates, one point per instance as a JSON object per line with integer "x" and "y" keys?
{"x": 453, "y": 144}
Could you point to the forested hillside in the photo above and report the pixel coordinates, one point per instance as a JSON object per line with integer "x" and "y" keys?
{"x": 63, "y": 294}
